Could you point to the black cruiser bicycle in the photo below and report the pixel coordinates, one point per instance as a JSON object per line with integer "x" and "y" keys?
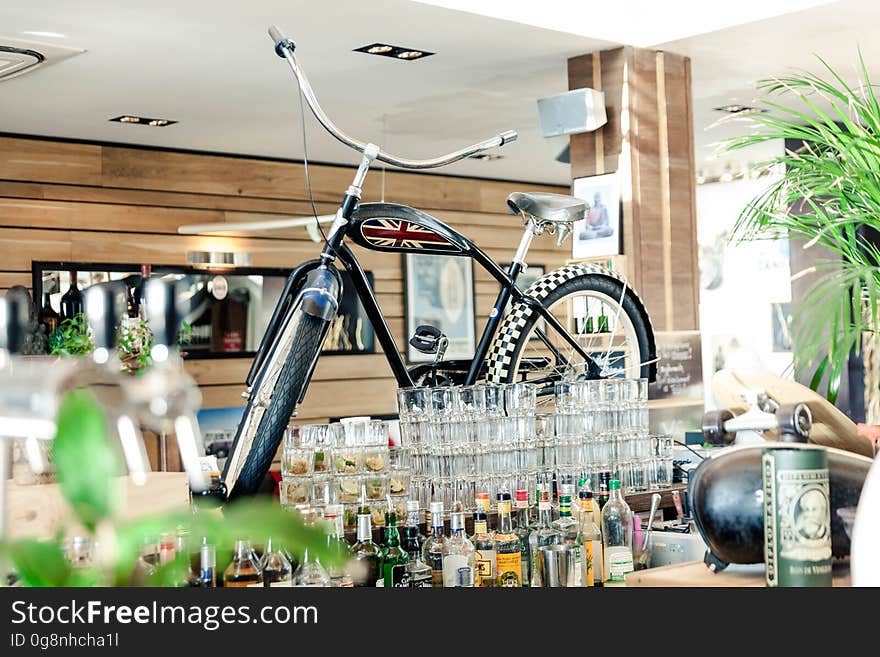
{"x": 546, "y": 335}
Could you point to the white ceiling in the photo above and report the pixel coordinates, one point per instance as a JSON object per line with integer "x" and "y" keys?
{"x": 211, "y": 66}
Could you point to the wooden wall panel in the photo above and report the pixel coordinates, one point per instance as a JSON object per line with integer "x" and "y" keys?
{"x": 93, "y": 203}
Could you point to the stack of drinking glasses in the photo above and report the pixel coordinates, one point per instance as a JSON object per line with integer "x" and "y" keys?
{"x": 468, "y": 439}
{"x": 348, "y": 463}
{"x": 488, "y": 438}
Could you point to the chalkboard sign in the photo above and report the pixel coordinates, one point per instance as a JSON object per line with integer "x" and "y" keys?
{"x": 680, "y": 368}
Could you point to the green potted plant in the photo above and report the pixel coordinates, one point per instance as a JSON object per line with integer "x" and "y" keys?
{"x": 829, "y": 192}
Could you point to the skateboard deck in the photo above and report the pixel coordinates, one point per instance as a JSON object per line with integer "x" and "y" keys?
{"x": 831, "y": 427}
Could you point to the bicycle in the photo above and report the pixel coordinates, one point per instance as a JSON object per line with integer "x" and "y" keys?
{"x": 528, "y": 343}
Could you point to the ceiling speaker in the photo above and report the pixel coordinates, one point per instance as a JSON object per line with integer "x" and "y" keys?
{"x": 572, "y": 112}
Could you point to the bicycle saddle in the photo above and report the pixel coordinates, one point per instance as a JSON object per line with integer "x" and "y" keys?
{"x": 557, "y": 208}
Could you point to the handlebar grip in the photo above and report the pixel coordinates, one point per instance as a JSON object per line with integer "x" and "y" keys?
{"x": 507, "y": 136}
{"x": 281, "y": 41}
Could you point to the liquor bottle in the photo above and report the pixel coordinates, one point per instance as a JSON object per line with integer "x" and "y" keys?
{"x": 459, "y": 560}
{"x": 80, "y": 553}
{"x": 412, "y": 540}
{"x": 277, "y": 570}
{"x": 418, "y": 574}
{"x": 568, "y": 488}
{"x": 543, "y": 535}
{"x": 567, "y": 526}
{"x": 617, "y": 530}
{"x": 484, "y": 551}
{"x": 310, "y": 573}
{"x": 136, "y": 306}
{"x": 522, "y": 532}
{"x": 208, "y": 566}
{"x": 244, "y": 570}
{"x": 48, "y": 318}
{"x": 365, "y": 555}
{"x": 604, "y": 494}
{"x": 72, "y": 301}
{"x": 508, "y": 547}
{"x": 185, "y": 576}
{"x": 591, "y": 542}
{"x": 584, "y": 492}
{"x": 394, "y": 558}
{"x": 435, "y": 545}
{"x": 336, "y": 542}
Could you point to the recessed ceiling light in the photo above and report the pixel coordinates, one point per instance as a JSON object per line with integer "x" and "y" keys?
{"x": 740, "y": 109}
{"x": 142, "y": 120}
{"x": 397, "y": 52}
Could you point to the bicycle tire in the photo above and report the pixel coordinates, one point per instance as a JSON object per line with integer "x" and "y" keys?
{"x": 514, "y": 332}
{"x": 291, "y": 381}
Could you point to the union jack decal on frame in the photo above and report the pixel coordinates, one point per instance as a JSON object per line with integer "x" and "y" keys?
{"x": 401, "y": 234}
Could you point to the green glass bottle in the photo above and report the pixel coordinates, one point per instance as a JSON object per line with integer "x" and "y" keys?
{"x": 394, "y": 557}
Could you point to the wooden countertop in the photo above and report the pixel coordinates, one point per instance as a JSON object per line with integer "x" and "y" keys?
{"x": 696, "y": 574}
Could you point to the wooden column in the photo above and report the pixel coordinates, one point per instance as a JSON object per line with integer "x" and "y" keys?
{"x": 648, "y": 140}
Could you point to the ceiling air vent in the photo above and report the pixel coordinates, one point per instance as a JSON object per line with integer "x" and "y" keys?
{"x": 15, "y": 61}
{"x": 18, "y": 57}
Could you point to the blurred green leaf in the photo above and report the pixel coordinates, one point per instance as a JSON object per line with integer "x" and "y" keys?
{"x": 85, "y": 462}
{"x": 38, "y": 563}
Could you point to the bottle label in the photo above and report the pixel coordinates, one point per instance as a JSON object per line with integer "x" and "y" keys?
{"x": 485, "y": 568}
{"x": 286, "y": 584}
{"x": 522, "y": 504}
{"x": 587, "y": 564}
{"x": 544, "y": 505}
{"x": 400, "y": 578}
{"x": 503, "y": 507}
{"x": 480, "y": 527}
{"x": 457, "y": 572}
{"x": 509, "y": 567}
{"x": 421, "y": 578}
{"x": 437, "y": 579}
{"x": 620, "y": 563}
{"x": 598, "y": 562}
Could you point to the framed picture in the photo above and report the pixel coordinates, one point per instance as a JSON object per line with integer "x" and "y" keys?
{"x": 439, "y": 291}
{"x": 528, "y": 276}
{"x": 598, "y": 234}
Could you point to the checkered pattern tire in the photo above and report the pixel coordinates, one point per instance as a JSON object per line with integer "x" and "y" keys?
{"x": 514, "y": 331}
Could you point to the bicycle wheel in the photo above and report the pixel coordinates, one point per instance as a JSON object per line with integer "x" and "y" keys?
{"x": 253, "y": 451}
{"x": 603, "y": 314}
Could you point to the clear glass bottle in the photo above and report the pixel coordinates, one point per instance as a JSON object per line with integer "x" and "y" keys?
{"x": 508, "y": 547}
{"x": 418, "y": 573}
{"x": 590, "y": 539}
{"x": 522, "y": 531}
{"x": 365, "y": 554}
{"x": 435, "y": 545}
{"x": 617, "y": 531}
{"x": 208, "y": 566}
{"x": 583, "y": 490}
{"x": 543, "y": 534}
{"x": 394, "y": 558}
{"x": 484, "y": 551}
{"x": 459, "y": 559}
{"x": 568, "y": 527}
{"x": 336, "y": 542}
{"x": 310, "y": 573}
{"x": 244, "y": 570}
{"x": 277, "y": 570}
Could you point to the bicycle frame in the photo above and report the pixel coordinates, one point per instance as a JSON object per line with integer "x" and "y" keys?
{"x": 418, "y": 232}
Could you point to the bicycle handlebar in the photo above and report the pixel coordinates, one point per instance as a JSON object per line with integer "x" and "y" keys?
{"x": 284, "y": 47}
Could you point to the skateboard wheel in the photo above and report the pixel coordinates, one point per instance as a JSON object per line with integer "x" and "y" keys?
{"x": 713, "y": 427}
{"x": 795, "y": 422}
